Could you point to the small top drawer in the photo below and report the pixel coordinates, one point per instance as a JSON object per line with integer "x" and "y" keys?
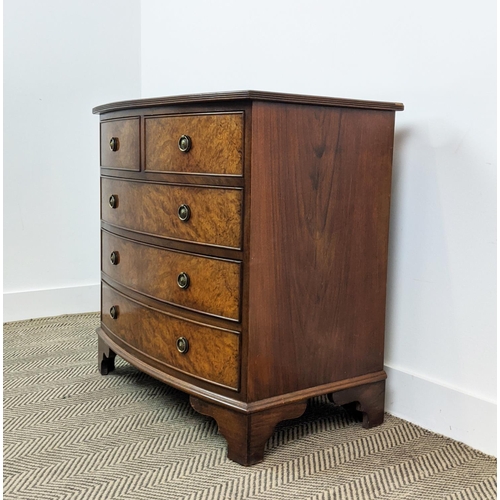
{"x": 120, "y": 144}
{"x": 196, "y": 144}
{"x": 199, "y": 214}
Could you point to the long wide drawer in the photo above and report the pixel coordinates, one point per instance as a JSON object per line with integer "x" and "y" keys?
{"x": 197, "y": 144}
{"x": 198, "y": 214}
{"x": 202, "y": 351}
{"x": 203, "y": 284}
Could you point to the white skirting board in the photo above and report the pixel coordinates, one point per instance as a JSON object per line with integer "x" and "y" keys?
{"x": 442, "y": 409}
{"x": 52, "y": 302}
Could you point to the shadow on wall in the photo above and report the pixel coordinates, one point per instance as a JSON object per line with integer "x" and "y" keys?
{"x": 419, "y": 293}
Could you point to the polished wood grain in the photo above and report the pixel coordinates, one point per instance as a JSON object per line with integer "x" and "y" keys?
{"x": 151, "y": 208}
{"x": 321, "y": 183}
{"x": 242, "y": 95}
{"x": 214, "y": 284}
{"x": 128, "y": 154}
{"x": 246, "y": 433}
{"x": 170, "y": 376}
{"x": 217, "y": 144}
{"x": 213, "y": 353}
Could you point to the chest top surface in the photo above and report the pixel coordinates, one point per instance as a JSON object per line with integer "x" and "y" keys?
{"x": 248, "y": 95}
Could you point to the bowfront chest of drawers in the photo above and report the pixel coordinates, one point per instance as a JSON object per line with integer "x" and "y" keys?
{"x": 244, "y": 252}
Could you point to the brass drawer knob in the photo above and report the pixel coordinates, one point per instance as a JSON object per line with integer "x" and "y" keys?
{"x": 183, "y": 280}
{"x": 182, "y": 345}
{"x": 114, "y": 258}
{"x": 184, "y": 213}
{"x": 113, "y": 201}
{"x": 113, "y": 312}
{"x": 114, "y": 144}
{"x": 184, "y": 143}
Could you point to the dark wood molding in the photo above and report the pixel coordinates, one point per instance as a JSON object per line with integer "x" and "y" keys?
{"x": 248, "y": 95}
{"x": 303, "y": 394}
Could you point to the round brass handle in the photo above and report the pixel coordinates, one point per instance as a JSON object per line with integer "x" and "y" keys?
{"x": 113, "y": 312}
{"x": 114, "y": 144}
{"x": 113, "y": 201}
{"x": 183, "y": 280}
{"x": 182, "y": 345}
{"x": 185, "y": 143}
{"x": 114, "y": 258}
{"x": 184, "y": 213}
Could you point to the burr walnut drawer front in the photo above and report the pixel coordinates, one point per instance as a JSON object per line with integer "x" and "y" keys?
{"x": 202, "y": 284}
{"x": 200, "y": 350}
{"x": 120, "y": 144}
{"x": 197, "y": 144}
{"x": 207, "y": 215}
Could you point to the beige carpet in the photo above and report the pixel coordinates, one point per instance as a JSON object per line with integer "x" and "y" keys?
{"x": 70, "y": 433}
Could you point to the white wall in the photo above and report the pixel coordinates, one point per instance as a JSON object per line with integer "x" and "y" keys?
{"x": 61, "y": 58}
{"x": 438, "y": 58}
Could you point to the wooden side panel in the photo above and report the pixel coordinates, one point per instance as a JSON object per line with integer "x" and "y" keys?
{"x": 213, "y": 354}
{"x": 216, "y": 144}
{"x": 151, "y": 208}
{"x": 320, "y": 195}
{"x": 214, "y": 284}
{"x": 128, "y": 154}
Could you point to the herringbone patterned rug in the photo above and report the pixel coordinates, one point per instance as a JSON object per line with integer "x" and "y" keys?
{"x": 71, "y": 434}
